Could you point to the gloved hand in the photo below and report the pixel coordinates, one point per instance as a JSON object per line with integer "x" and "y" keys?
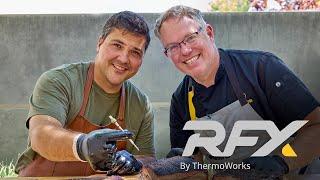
{"x": 268, "y": 166}
{"x": 125, "y": 164}
{"x": 175, "y": 152}
{"x": 261, "y": 167}
{"x": 98, "y": 147}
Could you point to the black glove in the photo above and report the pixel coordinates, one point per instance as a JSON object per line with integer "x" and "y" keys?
{"x": 175, "y": 152}
{"x": 260, "y": 167}
{"x": 125, "y": 164}
{"x": 98, "y": 147}
{"x": 268, "y": 166}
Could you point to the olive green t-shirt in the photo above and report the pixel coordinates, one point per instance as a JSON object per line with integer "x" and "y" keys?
{"x": 59, "y": 93}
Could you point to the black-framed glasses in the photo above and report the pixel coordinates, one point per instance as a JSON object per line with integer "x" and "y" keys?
{"x": 189, "y": 40}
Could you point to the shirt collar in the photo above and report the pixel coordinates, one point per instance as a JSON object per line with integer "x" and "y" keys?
{"x": 220, "y": 73}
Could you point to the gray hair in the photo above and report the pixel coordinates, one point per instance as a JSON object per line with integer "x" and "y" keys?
{"x": 179, "y": 12}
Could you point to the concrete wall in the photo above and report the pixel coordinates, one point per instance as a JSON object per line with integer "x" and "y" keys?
{"x": 32, "y": 44}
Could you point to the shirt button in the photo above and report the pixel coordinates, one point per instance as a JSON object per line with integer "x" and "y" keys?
{"x": 278, "y": 84}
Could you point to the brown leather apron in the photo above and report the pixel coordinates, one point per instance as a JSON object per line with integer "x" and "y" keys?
{"x": 40, "y": 166}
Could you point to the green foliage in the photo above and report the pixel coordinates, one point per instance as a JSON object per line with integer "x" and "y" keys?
{"x": 7, "y": 170}
{"x": 229, "y": 5}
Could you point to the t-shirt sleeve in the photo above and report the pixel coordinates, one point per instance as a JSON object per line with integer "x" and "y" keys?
{"x": 145, "y": 137}
{"x": 50, "y": 97}
{"x": 289, "y": 98}
{"x": 178, "y": 136}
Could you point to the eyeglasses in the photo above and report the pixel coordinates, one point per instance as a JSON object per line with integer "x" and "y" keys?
{"x": 190, "y": 40}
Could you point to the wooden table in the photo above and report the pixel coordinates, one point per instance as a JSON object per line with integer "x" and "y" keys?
{"x": 93, "y": 177}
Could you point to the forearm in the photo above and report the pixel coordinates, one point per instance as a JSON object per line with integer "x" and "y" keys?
{"x": 50, "y": 139}
{"x": 306, "y": 148}
{"x": 145, "y": 159}
{"x": 305, "y": 143}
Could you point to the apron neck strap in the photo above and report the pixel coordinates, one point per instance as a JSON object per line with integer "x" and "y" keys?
{"x": 87, "y": 88}
{"x": 122, "y": 105}
{"x": 230, "y": 69}
{"x": 192, "y": 109}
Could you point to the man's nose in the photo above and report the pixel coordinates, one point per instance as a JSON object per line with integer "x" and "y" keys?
{"x": 185, "y": 49}
{"x": 123, "y": 56}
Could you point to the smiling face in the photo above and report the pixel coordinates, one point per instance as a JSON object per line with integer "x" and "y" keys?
{"x": 119, "y": 57}
{"x": 200, "y": 59}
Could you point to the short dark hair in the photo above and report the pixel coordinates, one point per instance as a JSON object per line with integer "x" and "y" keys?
{"x": 128, "y": 21}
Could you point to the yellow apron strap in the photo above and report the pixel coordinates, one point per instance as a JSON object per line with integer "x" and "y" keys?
{"x": 192, "y": 110}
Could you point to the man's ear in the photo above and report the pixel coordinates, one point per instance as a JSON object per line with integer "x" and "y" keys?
{"x": 210, "y": 31}
{"x": 100, "y": 41}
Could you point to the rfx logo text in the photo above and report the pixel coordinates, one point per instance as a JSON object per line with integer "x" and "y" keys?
{"x": 211, "y": 143}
